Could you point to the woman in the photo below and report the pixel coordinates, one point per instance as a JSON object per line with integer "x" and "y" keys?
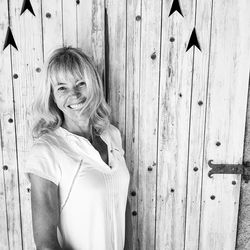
{"x": 79, "y": 179}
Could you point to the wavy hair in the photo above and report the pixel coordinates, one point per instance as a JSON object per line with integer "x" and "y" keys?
{"x": 63, "y": 64}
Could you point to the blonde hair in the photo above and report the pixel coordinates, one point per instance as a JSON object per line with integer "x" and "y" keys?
{"x": 68, "y": 63}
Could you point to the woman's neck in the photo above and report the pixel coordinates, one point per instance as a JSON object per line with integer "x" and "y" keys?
{"x": 81, "y": 128}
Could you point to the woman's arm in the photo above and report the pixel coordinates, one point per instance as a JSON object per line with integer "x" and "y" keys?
{"x": 128, "y": 229}
{"x": 45, "y": 213}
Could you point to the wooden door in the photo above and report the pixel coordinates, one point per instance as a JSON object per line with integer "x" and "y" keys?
{"x": 203, "y": 100}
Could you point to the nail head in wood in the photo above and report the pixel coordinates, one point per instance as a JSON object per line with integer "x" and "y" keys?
{"x": 48, "y": 15}
{"x": 153, "y": 56}
{"x": 134, "y": 213}
{"x": 171, "y": 190}
{"x": 172, "y": 39}
{"x": 133, "y": 193}
{"x": 212, "y": 197}
{"x": 195, "y": 169}
{"x": 38, "y": 70}
{"x": 200, "y": 102}
{"x": 5, "y": 167}
{"x": 234, "y": 182}
{"x": 15, "y": 76}
{"x": 10, "y": 120}
{"x": 218, "y": 143}
{"x": 138, "y": 18}
{"x": 150, "y": 168}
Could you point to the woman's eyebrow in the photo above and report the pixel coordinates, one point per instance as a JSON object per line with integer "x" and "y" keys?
{"x": 81, "y": 80}
{"x": 61, "y": 83}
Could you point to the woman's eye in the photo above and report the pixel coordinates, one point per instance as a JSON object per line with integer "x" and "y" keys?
{"x": 61, "y": 88}
{"x": 82, "y": 83}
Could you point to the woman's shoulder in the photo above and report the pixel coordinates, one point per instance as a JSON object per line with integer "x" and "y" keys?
{"x": 114, "y": 135}
{"x": 44, "y": 143}
{"x": 112, "y": 131}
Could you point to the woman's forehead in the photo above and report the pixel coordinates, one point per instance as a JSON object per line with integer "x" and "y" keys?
{"x": 66, "y": 75}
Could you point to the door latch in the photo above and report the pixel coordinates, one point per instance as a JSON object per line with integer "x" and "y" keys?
{"x": 243, "y": 169}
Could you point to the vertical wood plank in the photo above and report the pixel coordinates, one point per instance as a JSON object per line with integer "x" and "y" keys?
{"x": 4, "y": 243}
{"x": 69, "y": 23}
{"x": 5, "y": 108}
{"x": 90, "y": 31}
{"x": 116, "y": 30}
{"x": 84, "y": 26}
{"x": 9, "y": 150}
{"x": 132, "y": 106}
{"x": 243, "y": 228}
{"x": 174, "y": 115}
{"x": 148, "y": 121}
{"x": 26, "y": 64}
{"x": 226, "y": 112}
{"x": 52, "y": 26}
{"x": 197, "y": 124}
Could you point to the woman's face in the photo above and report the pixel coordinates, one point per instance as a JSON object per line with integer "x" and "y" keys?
{"x": 70, "y": 96}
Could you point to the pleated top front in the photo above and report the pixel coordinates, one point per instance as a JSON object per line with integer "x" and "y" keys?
{"x": 92, "y": 194}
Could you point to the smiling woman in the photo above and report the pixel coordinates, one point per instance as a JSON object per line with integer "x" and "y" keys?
{"x": 78, "y": 174}
{"x": 77, "y": 94}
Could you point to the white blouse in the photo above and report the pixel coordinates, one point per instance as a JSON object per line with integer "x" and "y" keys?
{"x": 93, "y": 195}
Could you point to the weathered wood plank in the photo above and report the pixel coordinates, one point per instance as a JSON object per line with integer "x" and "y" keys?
{"x": 90, "y": 31}
{"x": 4, "y": 243}
{"x": 5, "y": 70}
{"x": 84, "y": 26}
{"x": 9, "y": 150}
{"x": 26, "y": 63}
{"x": 226, "y": 112}
{"x": 148, "y": 121}
{"x": 69, "y": 23}
{"x": 52, "y": 26}
{"x": 197, "y": 124}
{"x": 174, "y": 115}
{"x": 116, "y": 42}
{"x": 243, "y": 229}
{"x": 132, "y": 106}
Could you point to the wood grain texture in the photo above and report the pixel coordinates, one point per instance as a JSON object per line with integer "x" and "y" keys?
{"x": 91, "y": 31}
{"x": 243, "y": 229}
{"x": 148, "y": 119}
{"x": 84, "y": 26}
{"x": 9, "y": 150}
{"x": 5, "y": 109}
{"x": 225, "y": 122}
{"x": 69, "y": 23}
{"x": 174, "y": 117}
{"x": 197, "y": 124}
{"x": 132, "y": 106}
{"x": 52, "y": 26}
{"x": 25, "y": 62}
{"x": 116, "y": 82}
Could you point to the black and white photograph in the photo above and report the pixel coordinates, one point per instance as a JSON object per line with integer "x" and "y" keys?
{"x": 125, "y": 124}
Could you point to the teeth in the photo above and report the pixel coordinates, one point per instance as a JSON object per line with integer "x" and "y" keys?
{"x": 76, "y": 106}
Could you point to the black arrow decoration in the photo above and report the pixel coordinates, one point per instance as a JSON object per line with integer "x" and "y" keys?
{"x": 9, "y": 40}
{"x": 193, "y": 41}
{"x": 175, "y": 7}
{"x": 27, "y": 6}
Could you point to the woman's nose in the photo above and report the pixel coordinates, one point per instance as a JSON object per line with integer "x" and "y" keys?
{"x": 76, "y": 92}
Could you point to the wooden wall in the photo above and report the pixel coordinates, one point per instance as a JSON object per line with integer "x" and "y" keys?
{"x": 176, "y": 109}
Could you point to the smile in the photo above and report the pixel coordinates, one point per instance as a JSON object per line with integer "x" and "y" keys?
{"x": 77, "y": 106}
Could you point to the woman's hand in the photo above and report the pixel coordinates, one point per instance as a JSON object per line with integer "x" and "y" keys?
{"x": 45, "y": 213}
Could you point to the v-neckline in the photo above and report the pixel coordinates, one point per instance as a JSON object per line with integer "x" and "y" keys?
{"x": 107, "y": 165}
